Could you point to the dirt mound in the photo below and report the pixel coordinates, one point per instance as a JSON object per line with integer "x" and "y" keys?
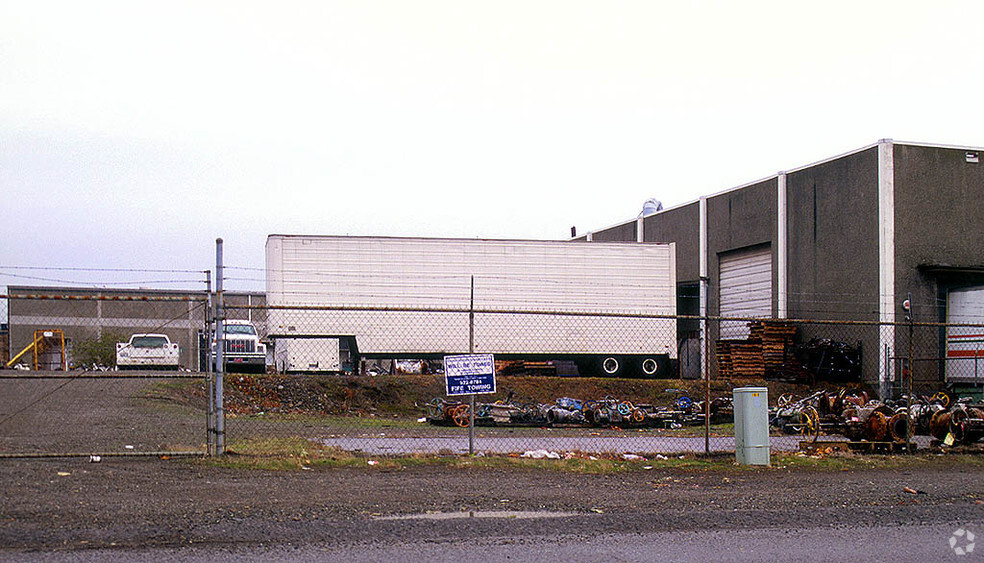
{"x": 404, "y": 395}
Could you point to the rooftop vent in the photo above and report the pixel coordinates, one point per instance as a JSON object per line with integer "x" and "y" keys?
{"x": 651, "y": 206}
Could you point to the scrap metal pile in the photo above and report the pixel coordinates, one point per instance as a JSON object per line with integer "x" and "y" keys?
{"x": 855, "y": 416}
{"x": 566, "y": 411}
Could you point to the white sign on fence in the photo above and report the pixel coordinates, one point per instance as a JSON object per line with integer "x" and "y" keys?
{"x": 469, "y": 374}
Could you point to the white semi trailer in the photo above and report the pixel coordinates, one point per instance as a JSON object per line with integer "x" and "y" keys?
{"x": 606, "y": 306}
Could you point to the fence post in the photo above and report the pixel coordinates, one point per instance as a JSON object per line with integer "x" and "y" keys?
{"x": 219, "y": 351}
{"x": 707, "y": 387}
{"x": 209, "y": 376}
{"x": 910, "y": 427}
{"x": 471, "y": 350}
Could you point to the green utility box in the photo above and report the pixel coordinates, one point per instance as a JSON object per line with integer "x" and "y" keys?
{"x": 751, "y": 425}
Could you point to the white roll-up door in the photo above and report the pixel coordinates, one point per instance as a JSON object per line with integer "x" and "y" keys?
{"x": 965, "y": 344}
{"x": 746, "y": 289}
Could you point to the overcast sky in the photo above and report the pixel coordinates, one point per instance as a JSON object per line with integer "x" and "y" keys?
{"x": 132, "y": 134}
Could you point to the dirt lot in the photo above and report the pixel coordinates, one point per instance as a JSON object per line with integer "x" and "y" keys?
{"x": 57, "y": 413}
{"x": 71, "y": 504}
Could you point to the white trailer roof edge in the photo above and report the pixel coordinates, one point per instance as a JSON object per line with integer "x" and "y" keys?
{"x": 457, "y": 239}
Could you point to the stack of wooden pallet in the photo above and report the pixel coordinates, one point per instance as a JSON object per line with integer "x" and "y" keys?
{"x": 765, "y": 353}
{"x": 739, "y": 358}
{"x": 777, "y": 343}
{"x": 722, "y": 349}
{"x": 746, "y": 359}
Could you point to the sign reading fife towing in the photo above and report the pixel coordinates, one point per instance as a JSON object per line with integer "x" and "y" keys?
{"x": 469, "y": 374}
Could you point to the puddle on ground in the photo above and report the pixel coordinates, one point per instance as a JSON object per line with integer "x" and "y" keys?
{"x": 507, "y": 514}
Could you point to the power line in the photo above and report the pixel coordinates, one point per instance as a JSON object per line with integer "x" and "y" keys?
{"x": 101, "y": 283}
{"x": 131, "y": 270}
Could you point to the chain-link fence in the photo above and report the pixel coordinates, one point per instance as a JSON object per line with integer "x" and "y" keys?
{"x": 372, "y": 379}
{"x": 336, "y": 380}
{"x": 82, "y": 413}
{"x": 104, "y": 375}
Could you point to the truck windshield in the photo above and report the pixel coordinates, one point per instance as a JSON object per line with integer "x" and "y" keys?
{"x": 149, "y": 342}
{"x": 239, "y": 329}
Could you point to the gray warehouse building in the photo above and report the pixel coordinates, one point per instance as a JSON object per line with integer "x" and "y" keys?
{"x": 848, "y": 238}
{"x": 83, "y": 314}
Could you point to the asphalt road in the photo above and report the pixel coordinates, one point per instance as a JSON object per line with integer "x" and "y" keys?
{"x": 149, "y": 509}
{"x": 889, "y": 543}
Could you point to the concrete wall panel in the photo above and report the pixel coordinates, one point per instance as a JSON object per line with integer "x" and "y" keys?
{"x": 939, "y": 236}
{"x": 738, "y": 219}
{"x": 832, "y": 231}
{"x": 939, "y": 220}
{"x": 682, "y": 226}
{"x": 833, "y": 239}
{"x": 618, "y": 233}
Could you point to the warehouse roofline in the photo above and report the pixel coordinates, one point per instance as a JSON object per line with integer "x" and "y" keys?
{"x": 776, "y": 175}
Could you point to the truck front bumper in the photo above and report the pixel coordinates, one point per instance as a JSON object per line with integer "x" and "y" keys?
{"x": 241, "y": 362}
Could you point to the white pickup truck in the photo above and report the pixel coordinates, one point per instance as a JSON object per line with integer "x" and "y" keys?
{"x": 147, "y": 351}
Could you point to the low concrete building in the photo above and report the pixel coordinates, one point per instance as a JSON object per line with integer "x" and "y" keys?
{"x": 4, "y": 344}
{"x": 89, "y": 313}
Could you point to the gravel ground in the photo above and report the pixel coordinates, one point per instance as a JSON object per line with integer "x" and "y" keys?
{"x": 111, "y": 414}
{"x": 101, "y": 413}
{"x": 70, "y": 506}
{"x": 56, "y": 505}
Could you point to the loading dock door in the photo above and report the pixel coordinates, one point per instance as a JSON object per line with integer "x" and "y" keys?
{"x": 965, "y": 344}
{"x": 745, "y": 289}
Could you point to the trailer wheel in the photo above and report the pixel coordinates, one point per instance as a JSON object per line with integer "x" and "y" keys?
{"x": 610, "y": 365}
{"x": 650, "y": 367}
